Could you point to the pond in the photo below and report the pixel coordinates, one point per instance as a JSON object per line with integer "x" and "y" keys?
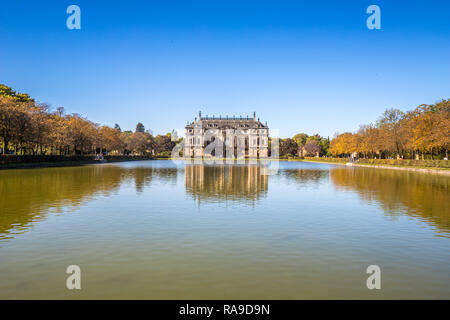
{"x": 178, "y": 230}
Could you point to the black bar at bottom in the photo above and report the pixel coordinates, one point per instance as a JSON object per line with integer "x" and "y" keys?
{"x": 222, "y": 309}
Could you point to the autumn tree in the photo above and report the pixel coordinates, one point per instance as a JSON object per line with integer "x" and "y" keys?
{"x": 391, "y": 131}
{"x": 40, "y": 120}
{"x": 343, "y": 144}
{"x": 164, "y": 144}
{"x": 442, "y": 129}
{"x": 288, "y": 147}
{"x": 13, "y": 115}
{"x": 312, "y": 148}
{"x": 111, "y": 139}
{"x": 142, "y": 143}
{"x": 7, "y": 120}
{"x": 368, "y": 140}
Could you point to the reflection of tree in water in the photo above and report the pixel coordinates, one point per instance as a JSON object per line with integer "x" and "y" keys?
{"x": 143, "y": 176}
{"x": 226, "y": 182}
{"x": 304, "y": 177}
{"x": 425, "y": 196}
{"x": 27, "y": 195}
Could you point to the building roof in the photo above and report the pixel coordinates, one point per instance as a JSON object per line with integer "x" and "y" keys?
{"x": 227, "y": 122}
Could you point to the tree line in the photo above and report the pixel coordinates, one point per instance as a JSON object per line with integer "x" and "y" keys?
{"x": 31, "y": 128}
{"x": 303, "y": 145}
{"x": 420, "y": 133}
{"x": 28, "y": 127}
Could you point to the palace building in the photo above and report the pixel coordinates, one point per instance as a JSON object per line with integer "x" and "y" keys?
{"x": 227, "y": 137}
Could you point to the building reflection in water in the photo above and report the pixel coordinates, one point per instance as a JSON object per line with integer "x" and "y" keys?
{"x": 213, "y": 183}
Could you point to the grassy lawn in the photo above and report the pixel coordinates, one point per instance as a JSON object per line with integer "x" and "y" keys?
{"x": 381, "y": 163}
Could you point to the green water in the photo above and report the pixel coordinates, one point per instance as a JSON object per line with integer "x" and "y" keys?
{"x": 171, "y": 230}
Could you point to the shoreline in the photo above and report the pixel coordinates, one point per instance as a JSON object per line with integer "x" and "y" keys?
{"x": 39, "y": 165}
{"x": 385, "y": 166}
{"x": 42, "y": 165}
{"x": 79, "y": 163}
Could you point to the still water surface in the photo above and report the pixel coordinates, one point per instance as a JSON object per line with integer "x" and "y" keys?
{"x": 173, "y": 230}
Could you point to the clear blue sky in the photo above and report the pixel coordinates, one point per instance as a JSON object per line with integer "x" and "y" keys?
{"x": 304, "y": 66}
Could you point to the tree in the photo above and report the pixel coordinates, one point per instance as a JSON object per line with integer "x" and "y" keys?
{"x": 368, "y": 140}
{"x": 343, "y": 144}
{"x": 23, "y": 132}
{"x": 164, "y": 144}
{"x": 40, "y": 127}
{"x": 300, "y": 139}
{"x": 324, "y": 144}
{"x": 60, "y": 111}
{"x": 6, "y": 91}
{"x": 312, "y": 148}
{"x": 58, "y": 135}
{"x": 9, "y": 111}
{"x": 142, "y": 143}
{"x": 390, "y": 126}
{"x": 111, "y": 139}
{"x": 442, "y": 129}
{"x": 140, "y": 127}
{"x": 13, "y": 117}
{"x": 82, "y": 134}
{"x": 288, "y": 147}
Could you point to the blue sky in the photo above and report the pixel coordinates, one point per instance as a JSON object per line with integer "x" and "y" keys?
{"x": 303, "y": 66}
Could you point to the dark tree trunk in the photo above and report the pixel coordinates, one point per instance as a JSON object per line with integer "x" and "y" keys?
{"x": 6, "y": 142}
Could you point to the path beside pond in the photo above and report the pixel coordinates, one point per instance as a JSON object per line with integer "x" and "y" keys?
{"x": 366, "y": 165}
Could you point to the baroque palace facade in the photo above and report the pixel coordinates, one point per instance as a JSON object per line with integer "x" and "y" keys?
{"x": 227, "y": 137}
